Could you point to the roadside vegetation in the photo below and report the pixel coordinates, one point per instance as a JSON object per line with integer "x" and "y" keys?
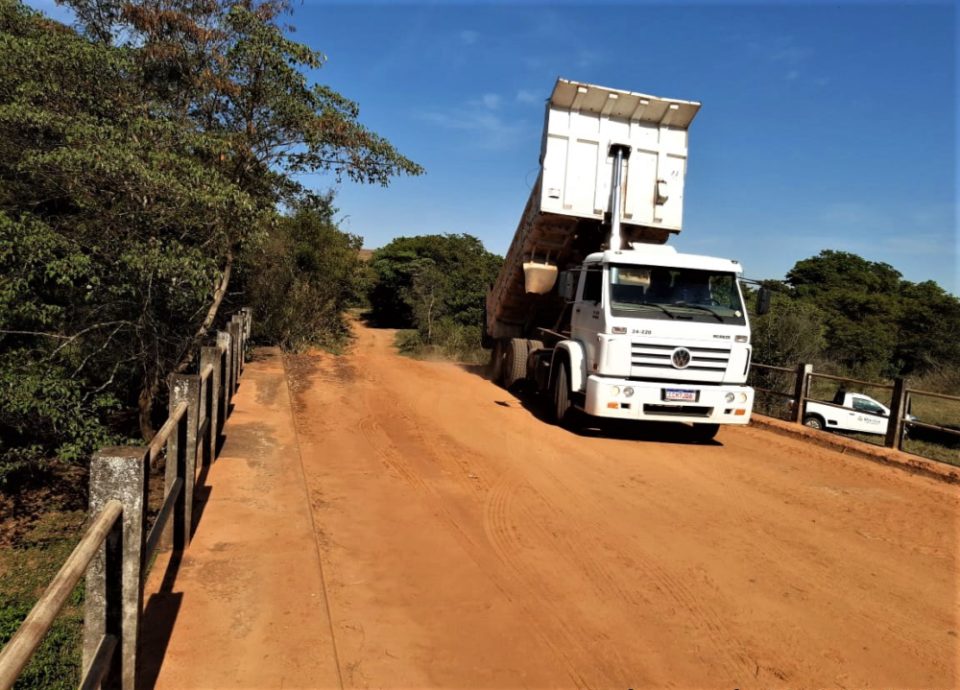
{"x": 851, "y": 317}
{"x": 433, "y": 287}
{"x": 150, "y": 159}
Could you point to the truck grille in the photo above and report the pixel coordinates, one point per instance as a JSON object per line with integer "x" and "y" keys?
{"x": 654, "y": 361}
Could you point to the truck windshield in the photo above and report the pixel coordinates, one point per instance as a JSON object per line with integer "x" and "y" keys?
{"x": 682, "y": 293}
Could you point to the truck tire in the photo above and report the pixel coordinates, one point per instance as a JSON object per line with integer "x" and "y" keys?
{"x": 704, "y": 432}
{"x": 515, "y": 362}
{"x": 813, "y": 421}
{"x": 496, "y": 362}
{"x": 486, "y": 341}
{"x": 562, "y": 411}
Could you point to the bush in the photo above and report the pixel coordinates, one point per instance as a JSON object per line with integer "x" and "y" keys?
{"x": 302, "y": 277}
{"x": 435, "y": 284}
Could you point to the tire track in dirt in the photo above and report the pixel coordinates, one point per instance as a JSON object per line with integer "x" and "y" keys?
{"x": 581, "y": 557}
{"x": 393, "y": 453}
{"x": 686, "y": 566}
{"x": 604, "y": 581}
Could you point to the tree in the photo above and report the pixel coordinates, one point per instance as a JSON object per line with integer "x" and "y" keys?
{"x": 228, "y": 70}
{"x": 132, "y": 177}
{"x": 928, "y": 329}
{"x": 436, "y": 284}
{"x": 109, "y": 220}
{"x": 302, "y": 277}
{"x": 467, "y": 269}
{"x": 790, "y": 334}
{"x": 860, "y": 305}
{"x": 876, "y": 323}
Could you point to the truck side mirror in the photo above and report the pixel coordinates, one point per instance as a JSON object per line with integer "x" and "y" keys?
{"x": 763, "y": 301}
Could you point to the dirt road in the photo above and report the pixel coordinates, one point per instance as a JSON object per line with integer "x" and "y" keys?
{"x": 466, "y": 543}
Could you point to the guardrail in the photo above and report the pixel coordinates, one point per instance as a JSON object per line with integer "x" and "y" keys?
{"x": 115, "y": 549}
{"x": 798, "y": 382}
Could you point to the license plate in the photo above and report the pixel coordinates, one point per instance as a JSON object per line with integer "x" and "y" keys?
{"x": 679, "y": 395}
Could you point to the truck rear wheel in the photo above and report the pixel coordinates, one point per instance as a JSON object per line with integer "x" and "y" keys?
{"x": 515, "y": 362}
{"x": 813, "y": 421}
{"x": 560, "y": 394}
{"x": 496, "y": 362}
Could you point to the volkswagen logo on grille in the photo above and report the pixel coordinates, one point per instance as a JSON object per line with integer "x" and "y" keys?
{"x": 681, "y": 358}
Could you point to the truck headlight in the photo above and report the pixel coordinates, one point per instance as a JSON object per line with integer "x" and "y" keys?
{"x": 730, "y": 397}
{"x": 742, "y": 397}
{"x": 628, "y": 391}
{"x": 615, "y": 390}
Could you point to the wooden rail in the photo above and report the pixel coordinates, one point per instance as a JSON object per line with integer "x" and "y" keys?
{"x": 115, "y": 549}
{"x": 34, "y": 628}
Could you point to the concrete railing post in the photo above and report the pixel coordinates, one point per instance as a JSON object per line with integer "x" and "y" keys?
{"x": 223, "y": 342}
{"x": 210, "y": 356}
{"x": 114, "y": 593}
{"x": 801, "y": 388}
{"x": 898, "y": 405}
{"x": 182, "y": 451}
{"x": 237, "y": 345}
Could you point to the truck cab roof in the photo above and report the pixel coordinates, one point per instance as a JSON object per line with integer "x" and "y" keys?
{"x": 663, "y": 255}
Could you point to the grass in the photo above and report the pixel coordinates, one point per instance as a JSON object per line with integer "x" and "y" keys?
{"x": 26, "y": 568}
{"x": 925, "y": 408}
{"x": 941, "y": 413}
{"x": 410, "y": 344}
{"x": 932, "y": 451}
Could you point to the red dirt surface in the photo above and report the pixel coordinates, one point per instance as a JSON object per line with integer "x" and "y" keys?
{"x": 463, "y": 542}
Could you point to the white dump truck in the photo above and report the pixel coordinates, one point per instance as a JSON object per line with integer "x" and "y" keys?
{"x": 591, "y": 306}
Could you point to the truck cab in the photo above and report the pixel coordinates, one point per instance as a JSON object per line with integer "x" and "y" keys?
{"x": 658, "y": 335}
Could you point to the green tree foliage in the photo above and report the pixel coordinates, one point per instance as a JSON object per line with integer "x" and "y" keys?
{"x": 109, "y": 234}
{"x": 302, "y": 278}
{"x": 929, "y": 330}
{"x": 859, "y": 300}
{"x": 791, "y": 333}
{"x": 436, "y": 284}
{"x": 227, "y": 68}
{"x": 136, "y": 164}
{"x": 858, "y": 317}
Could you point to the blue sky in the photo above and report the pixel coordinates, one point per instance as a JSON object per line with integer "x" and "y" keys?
{"x": 822, "y": 127}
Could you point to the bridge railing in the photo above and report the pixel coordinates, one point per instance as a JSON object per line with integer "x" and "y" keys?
{"x": 784, "y": 391}
{"x": 116, "y": 548}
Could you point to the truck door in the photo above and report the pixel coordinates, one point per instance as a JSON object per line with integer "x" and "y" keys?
{"x": 587, "y": 317}
{"x": 868, "y": 416}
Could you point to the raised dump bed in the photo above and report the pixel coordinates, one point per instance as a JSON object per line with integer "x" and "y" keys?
{"x": 567, "y": 215}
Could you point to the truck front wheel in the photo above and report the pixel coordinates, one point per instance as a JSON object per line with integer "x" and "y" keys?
{"x": 813, "y": 421}
{"x": 560, "y": 389}
{"x": 704, "y": 432}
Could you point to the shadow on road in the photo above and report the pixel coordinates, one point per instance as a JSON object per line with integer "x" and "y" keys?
{"x": 536, "y": 405}
{"x": 159, "y": 616}
{"x": 162, "y": 608}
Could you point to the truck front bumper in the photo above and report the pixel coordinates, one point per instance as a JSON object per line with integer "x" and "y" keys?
{"x": 664, "y": 401}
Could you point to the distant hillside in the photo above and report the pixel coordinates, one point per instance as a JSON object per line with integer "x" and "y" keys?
{"x": 365, "y": 254}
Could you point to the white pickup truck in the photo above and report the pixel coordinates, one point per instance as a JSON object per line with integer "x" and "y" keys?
{"x": 856, "y": 412}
